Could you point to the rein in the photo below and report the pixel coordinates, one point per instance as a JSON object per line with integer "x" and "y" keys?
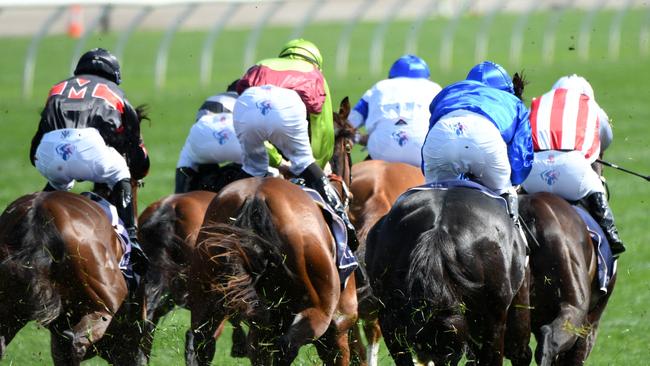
{"x": 347, "y": 194}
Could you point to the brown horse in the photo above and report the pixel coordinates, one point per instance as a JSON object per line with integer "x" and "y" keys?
{"x": 566, "y": 303}
{"x": 278, "y": 252}
{"x": 59, "y": 266}
{"x": 275, "y": 267}
{"x": 375, "y": 187}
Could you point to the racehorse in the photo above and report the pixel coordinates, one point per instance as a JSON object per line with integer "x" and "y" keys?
{"x": 566, "y": 303}
{"x": 306, "y": 284}
{"x": 375, "y": 187}
{"x": 446, "y": 265}
{"x": 59, "y": 266}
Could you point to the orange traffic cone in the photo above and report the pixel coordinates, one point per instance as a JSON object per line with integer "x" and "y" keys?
{"x": 75, "y": 21}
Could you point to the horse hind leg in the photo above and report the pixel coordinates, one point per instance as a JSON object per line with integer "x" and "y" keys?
{"x": 88, "y": 331}
{"x": 560, "y": 335}
{"x": 373, "y": 336}
{"x": 334, "y": 346}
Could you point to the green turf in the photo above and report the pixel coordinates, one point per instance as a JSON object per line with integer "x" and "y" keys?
{"x": 621, "y": 88}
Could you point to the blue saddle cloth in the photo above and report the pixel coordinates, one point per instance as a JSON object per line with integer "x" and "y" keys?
{"x": 606, "y": 261}
{"x": 120, "y": 230}
{"x": 346, "y": 262}
{"x": 449, "y": 184}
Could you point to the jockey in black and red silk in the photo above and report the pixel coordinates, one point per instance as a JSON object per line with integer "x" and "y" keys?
{"x": 89, "y": 131}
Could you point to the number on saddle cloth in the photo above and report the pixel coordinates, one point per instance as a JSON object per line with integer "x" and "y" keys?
{"x": 346, "y": 262}
{"x": 120, "y": 230}
{"x": 606, "y": 261}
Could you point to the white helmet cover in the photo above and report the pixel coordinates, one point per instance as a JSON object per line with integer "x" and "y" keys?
{"x": 575, "y": 82}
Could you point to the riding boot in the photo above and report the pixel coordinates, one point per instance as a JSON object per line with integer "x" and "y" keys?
{"x": 602, "y": 213}
{"x": 123, "y": 201}
{"x": 316, "y": 179}
{"x": 184, "y": 179}
{"x": 512, "y": 203}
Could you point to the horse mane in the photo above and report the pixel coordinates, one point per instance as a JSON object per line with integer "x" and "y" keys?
{"x": 519, "y": 82}
{"x": 244, "y": 255}
{"x": 142, "y": 111}
{"x": 39, "y": 246}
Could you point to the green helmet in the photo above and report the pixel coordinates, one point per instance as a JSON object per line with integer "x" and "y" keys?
{"x": 303, "y": 49}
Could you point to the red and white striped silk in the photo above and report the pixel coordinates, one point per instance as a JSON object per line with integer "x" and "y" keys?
{"x": 565, "y": 119}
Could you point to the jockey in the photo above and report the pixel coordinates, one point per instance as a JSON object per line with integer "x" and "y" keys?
{"x": 89, "y": 131}
{"x": 569, "y": 132}
{"x": 283, "y": 100}
{"x": 396, "y": 112}
{"x": 211, "y": 140}
{"x": 479, "y": 128}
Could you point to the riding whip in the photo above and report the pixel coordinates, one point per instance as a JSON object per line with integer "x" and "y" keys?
{"x": 611, "y": 165}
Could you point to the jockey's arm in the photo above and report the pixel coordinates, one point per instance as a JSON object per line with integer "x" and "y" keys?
{"x": 520, "y": 149}
{"x": 322, "y": 131}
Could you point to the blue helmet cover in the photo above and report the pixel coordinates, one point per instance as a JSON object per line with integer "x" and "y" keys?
{"x": 493, "y": 75}
{"x": 409, "y": 66}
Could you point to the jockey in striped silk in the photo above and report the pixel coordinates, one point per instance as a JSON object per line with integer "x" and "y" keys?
{"x": 569, "y": 132}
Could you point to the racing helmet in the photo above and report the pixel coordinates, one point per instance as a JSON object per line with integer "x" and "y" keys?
{"x": 303, "y": 49}
{"x": 493, "y": 75}
{"x": 575, "y": 82}
{"x": 409, "y": 66}
{"x": 220, "y": 103}
{"x": 100, "y": 62}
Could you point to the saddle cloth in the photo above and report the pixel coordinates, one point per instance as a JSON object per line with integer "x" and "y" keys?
{"x": 606, "y": 261}
{"x": 120, "y": 230}
{"x": 449, "y": 184}
{"x": 346, "y": 262}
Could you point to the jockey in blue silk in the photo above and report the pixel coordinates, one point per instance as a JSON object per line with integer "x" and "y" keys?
{"x": 395, "y": 112}
{"x": 480, "y": 129}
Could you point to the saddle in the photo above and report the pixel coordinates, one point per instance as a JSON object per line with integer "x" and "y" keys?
{"x": 606, "y": 261}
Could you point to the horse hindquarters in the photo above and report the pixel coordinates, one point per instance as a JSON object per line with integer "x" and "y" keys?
{"x": 32, "y": 247}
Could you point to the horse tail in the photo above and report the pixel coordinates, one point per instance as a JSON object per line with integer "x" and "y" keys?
{"x": 435, "y": 274}
{"x": 40, "y": 247}
{"x": 242, "y": 254}
{"x": 165, "y": 250}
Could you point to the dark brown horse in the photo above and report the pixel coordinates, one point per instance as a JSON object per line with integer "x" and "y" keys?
{"x": 446, "y": 265}
{"x": 566, "y": 303}
{"x": 375, "y": 187}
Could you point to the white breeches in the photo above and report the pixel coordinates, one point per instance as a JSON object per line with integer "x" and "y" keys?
{"x": 211, "y": 140}
{"x": 70, "y": 154}
{"x": 279, "y": 116}
{"x": 467, "y": 143}
{"x": 565, "y": 173}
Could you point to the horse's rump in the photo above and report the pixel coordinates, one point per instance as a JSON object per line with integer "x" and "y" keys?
{"x": 445, "y": 262}
{"x": 31, "y": 247}
{"x": 242, "y": 255}
{"x": 565, "y": 302}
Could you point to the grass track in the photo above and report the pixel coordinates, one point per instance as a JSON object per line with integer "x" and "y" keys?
{"x": 621, "y": 88}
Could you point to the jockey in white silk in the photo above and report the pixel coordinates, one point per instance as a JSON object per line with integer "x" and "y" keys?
{"x": 395, "y": 112}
